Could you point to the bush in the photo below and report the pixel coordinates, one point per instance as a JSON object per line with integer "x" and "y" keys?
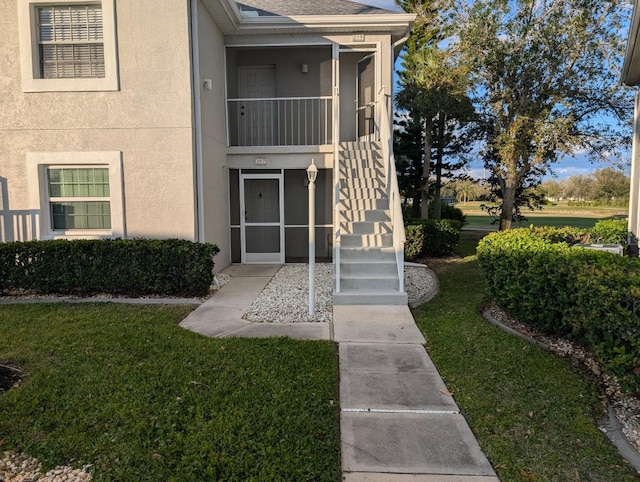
{"x": 609, "y": 231}
{"x": 447, "y": 211}
{"x": 592, "y": 296}
{"x": 131, "y": 267}
{"x": 431, "y": 237}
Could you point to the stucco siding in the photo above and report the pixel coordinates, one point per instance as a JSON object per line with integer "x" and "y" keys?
{"x": 149, "y": 119}
{"x": 215, "y": 183}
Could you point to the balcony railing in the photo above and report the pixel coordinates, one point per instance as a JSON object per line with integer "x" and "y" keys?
{"x": 282, "y": 121}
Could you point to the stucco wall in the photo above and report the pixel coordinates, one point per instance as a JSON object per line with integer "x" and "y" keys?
{"x": 214, "y": 143}
{"x": 149, "y": 119}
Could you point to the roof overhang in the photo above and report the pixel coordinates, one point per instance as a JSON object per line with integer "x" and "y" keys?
{"x": 631, "y": 65}
{"x": 232, "y": 22}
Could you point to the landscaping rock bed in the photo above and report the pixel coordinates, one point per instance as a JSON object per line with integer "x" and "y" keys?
{"x": 285, "y": 299}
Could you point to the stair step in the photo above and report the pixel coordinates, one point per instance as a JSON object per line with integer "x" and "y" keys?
{"x": 362, "y": 183}
{"x": 359, "y": 172}
{"x": 364, "y": 163}
{"x": 369, "y": 282}
{"x": 368, "y": 215}
{"x": 347, "y": 204}
{"x": 364, "y": 193}
{"x": 366, "y": 240}
{"x": 366, "y": 227}
{"x": 368, "y": 267}
{"x": 355, "y": 145}
{"x": 369, "y": 297}
{"x": 364, "y": 254}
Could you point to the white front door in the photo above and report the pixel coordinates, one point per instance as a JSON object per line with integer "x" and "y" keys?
{"x": 256, "y": 120}
{"x": 262, "y": 227}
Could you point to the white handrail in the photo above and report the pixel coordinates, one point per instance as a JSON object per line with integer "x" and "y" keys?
{"x": 393, "y": 190}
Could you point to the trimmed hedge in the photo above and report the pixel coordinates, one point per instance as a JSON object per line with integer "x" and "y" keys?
{"x": 129, "y": 267}
{"x": 590, "y": 296}
{"x": 431, "y": 237}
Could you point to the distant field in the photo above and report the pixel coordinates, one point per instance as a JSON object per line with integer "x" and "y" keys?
{"x": 559, "y": 214}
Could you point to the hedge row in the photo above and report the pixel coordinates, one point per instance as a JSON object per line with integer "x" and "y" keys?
{"x": 590, "y": 296}
{"x": 129, "y": 267}
{"x": 431, "y": 237}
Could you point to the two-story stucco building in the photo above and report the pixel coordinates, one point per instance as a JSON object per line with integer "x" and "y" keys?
{"x": 196, "y": 119}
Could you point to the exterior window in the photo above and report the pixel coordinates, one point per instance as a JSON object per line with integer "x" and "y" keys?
{"x": 78, "y": 194}
{"x": 68, "y": 45}
{"x": 70, "y": 40}
{"x": 79, "y": 198}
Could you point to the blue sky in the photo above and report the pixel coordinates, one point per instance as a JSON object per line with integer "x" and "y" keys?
{"x": 566, "y": 167}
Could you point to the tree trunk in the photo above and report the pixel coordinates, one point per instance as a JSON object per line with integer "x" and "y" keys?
{"x": 415, "y": 207}
{"x": 437, "y": 195}
{"x": 508, "y": 203}
{"x": 426, "y": 168}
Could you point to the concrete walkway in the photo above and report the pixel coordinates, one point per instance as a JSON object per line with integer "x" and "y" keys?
{"x": 398, "y": 421}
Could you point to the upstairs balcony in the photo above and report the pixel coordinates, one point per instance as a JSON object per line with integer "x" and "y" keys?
{"x": 280, "y": 121}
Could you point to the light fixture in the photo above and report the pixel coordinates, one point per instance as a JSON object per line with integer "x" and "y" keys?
{"x": 304, "y": 68}
{"x": 312, "y": 171}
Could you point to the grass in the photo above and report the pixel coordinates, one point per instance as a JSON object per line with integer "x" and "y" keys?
{"x": 125, "y": 389}
{"x": 535, "y": 415}
{"x": 560, "y": 214}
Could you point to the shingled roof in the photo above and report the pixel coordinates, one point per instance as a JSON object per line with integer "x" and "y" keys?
{"x": 288, "y": 8}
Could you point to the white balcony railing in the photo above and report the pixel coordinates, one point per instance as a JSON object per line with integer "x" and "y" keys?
{"x": 282, "y": 121}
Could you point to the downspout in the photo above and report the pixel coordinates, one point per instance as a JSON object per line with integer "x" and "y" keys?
{"x": 197, "y": 122}
{"x": 634, "y": 194}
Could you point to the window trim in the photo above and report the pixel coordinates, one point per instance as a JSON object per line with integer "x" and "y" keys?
{"x": 37, "y": 165}
{"x": 30, "y": 51}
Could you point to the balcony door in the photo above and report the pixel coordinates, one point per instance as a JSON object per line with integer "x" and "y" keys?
{"x": 262, "y": 227}
{"x": 256, "y": 118}
{"x": 366, "y": 98}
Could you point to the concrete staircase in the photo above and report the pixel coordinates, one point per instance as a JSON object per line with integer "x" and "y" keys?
{"x": 368, "y": 269}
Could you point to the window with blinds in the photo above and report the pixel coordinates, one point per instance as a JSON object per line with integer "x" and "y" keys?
{"x": 79, "y": 198}
{"x": 71, "y": 42}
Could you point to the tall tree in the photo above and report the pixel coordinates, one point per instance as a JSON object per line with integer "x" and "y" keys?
{"x": 433, "y": 94}
{"x": 546, "y": 82}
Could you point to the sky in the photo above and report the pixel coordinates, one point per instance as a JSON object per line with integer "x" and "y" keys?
{"x": 566, "y": 167}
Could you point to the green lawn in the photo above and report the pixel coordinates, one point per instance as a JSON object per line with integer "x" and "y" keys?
{"x": 125, "y": 389}
{"x": 560, "y": 214}
{"x": 535, "y": 415}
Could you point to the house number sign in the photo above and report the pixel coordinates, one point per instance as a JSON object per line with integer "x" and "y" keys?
{"x": 261, "y": 161}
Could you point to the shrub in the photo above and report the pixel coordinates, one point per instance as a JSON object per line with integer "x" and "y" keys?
{"x": 447, "y": 211}
{"x": 609, "y": 231}
{"x": 431, "y": 237}
{"x": 131, "y": 267}
{"x": 592, "y": 296}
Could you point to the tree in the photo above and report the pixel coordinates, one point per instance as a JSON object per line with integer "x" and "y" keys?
{"x": 553, "y": 190}
{"x": 433, "y": 95}
{"x": 610, "y": 185}
{"x": 546, "y": 76}
{"x": 580, "y": 187}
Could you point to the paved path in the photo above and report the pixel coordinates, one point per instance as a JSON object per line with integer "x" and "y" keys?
{"x": 398, "y": 421}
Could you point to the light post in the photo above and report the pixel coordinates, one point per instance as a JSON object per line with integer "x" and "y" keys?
{"x": 312, "y": 174}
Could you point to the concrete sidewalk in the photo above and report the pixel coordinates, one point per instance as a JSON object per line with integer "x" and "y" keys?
{"x": 221, "y": 315}
{"x": 398, "y": 421}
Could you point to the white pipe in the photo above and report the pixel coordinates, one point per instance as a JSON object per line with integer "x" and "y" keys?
{"x": 197, "y": 121}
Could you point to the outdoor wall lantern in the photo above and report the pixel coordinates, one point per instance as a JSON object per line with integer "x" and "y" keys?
{"x": 312, "y": 174}
{"x": 304, "y": 68}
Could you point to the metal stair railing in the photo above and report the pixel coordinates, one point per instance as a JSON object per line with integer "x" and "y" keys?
{"x": 393, "y": 191}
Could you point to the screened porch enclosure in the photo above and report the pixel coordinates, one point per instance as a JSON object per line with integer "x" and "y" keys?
{"x": 280, "y": 96}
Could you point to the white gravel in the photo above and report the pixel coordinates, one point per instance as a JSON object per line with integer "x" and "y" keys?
{"x": 285, "y": 299}
{"x": 22, "y": 468}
